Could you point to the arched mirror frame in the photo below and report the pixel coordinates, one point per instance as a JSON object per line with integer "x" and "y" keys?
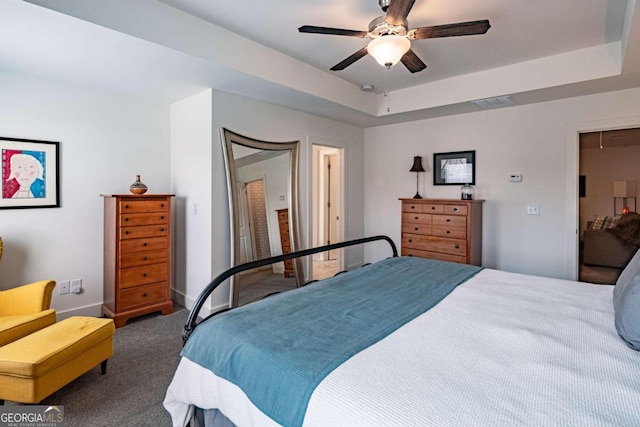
{"x": 229, "y": 138}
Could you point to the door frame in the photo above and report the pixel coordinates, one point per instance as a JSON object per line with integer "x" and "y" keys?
{"x": 341, "y": 154}
{"x": 331, "y": 234}
{"x": 572, "y": 219}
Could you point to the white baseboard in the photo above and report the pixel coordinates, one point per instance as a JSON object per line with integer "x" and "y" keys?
{"x": 188, "y": 302}
{"x": 94, "y": 310}
{"x": 354, "y": 266}
{"x": 181, "y": 299}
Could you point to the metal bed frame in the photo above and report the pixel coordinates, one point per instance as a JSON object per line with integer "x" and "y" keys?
{"x": 192, "y": 323}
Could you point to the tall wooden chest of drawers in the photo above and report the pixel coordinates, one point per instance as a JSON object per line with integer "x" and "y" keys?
{"x": 443, "y": 229}
{"x": 285, "y": 239}
{"x": 137, "y": 256}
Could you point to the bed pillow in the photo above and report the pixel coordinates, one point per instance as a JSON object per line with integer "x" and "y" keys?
{"x": 626, "y": 303}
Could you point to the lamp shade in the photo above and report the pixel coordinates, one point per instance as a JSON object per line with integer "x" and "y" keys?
{"x": 417, "y": 165}
{"x": 389, "y": 49}
{"x": 624, "y": 189}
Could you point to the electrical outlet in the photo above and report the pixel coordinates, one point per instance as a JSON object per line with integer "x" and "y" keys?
{"x": 76, "y": 286}
{"x": 63, "y": 287}
{"x": 533, "y": 209}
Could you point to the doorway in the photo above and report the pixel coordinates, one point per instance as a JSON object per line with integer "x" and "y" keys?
{"x": 256, "y": 198}
{"x": 253, "y": 224}
{"x": 327, "y": 209}
{"x": 607, "y": 159}
{"x": 572, "y": 232}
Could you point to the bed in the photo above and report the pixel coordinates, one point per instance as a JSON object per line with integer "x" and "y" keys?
{"x": 414, "y": 342}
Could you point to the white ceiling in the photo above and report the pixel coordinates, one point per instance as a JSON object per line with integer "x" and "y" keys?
{"x": 170, "y": 49}
{"x": 521, "y": 31}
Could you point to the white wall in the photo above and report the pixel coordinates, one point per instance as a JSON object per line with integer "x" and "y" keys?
{"x": 531, "y": 140}
{"x": 105, "y": 140}
{"x": 191, "y": 182}
{"x": 262, "y": 121}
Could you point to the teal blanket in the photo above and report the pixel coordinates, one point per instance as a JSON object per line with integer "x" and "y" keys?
{"x": 279, "y": 349}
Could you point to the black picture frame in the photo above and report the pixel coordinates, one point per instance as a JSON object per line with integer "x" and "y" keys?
{"x": 454, "y": 168}
{"x": 30, "y": 171}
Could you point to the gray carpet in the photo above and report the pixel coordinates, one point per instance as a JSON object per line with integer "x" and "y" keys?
{"x": 146, "y": 354}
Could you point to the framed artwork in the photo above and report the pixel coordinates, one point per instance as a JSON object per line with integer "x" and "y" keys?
{"x": 454, "y": 168}
{"x": 30, "y": 174}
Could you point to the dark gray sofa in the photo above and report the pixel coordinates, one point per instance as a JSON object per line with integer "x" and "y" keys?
{"x": 604, "y": 257}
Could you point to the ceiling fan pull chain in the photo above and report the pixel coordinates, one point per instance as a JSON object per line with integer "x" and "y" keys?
{"x": 386, "y": 93}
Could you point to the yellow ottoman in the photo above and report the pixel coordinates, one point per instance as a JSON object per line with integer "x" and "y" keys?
{"x": 41, "y": 363}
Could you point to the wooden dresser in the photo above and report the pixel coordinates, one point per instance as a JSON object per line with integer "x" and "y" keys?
{"x": 443, "y": 229}
{"x": 285, "y": 239}
{"x": 137, "y": 255}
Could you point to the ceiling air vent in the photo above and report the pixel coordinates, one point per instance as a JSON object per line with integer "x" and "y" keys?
{"x": 497, "y": 102}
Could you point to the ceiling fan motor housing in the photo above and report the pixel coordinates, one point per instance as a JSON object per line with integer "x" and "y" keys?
{"x": 379, "y": 27}
{"x": 384, "y": 4}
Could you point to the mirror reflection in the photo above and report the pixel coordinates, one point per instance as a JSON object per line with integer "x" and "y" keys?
{"x": 262, "y": 183}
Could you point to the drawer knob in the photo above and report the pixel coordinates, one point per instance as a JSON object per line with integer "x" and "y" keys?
{"x": 457, "y": 246}
{"x": 126, "y": 232}
{"x": 416, "y": 228}
{"x": 448, "y": 232}
{"x": 162, "y": 229}
{"x": 126, "y": 219}
{"x": 144, "y": 244}
{"x": 144, "y": 259}
{"x": 455, "y": 209}
{"x": 162, "y": 217}
{"x": 433, "y": 208}
{"x": 162, "y": 205}
{"x": 144, "y": 274}
{"x": 413, "y": 207}
{"x": 415, "y": 217}
{"x": 410, "y": 240}
{"x": 126, "y": 206}
{"x": 144, "y": 295}
{"x": 448, "y": 219}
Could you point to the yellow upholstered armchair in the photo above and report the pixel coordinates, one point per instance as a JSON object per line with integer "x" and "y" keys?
{"x": 25, "y": 309}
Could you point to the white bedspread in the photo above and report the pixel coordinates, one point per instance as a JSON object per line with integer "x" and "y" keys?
{"x": 503, "y": 349}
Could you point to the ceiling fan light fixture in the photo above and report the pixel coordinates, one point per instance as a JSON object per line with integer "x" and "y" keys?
{"x": 389, "y": 49}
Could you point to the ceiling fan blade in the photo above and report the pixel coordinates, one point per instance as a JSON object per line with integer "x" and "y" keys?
{"x": 332, "y": 31}
{"x": 350, "y": 60}
{"x": 398, "y": 11}
{"x": 451, "y": 30}
{"x": 412, "y": 62}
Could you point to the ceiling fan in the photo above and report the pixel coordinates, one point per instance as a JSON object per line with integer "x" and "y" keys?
{"x": 391, "y": 38}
